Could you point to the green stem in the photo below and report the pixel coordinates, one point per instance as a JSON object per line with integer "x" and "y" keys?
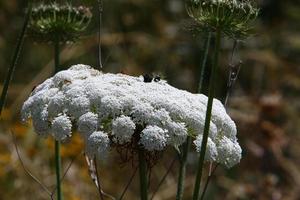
{"x": 58, "y": 170}
{"x": 56, "y": 57}
{"x": 203, "y": 66}
{"x": 211, "y": 92}
{"x": 143, "y": 175}
{"x": 182, "y": 168}
{"x": 57, "y": 143}
{"x": 15, "y": 58}
{"x": 186, "y": 147}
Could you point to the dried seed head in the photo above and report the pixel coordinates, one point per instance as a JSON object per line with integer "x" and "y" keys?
{"x": 58, "y": 23}
{"x": 233, "y": 17}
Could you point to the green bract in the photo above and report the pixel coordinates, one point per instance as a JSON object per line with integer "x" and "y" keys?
{"x": 58, "y": 23}
{"x": 232, "y": 17}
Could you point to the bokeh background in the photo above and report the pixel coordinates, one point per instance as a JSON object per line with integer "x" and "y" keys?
{"x": 142, "y": 36}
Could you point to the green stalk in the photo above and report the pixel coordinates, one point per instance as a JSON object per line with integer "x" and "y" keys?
{"x": 203, "y": 66}
{"x": 15, "y": 58}
{"x": 57, "y": 143}
{"x": 143, "y": 175}
{"x": 182, "y": 168}
{"x": 186, "y": 147}
{"x": 212, "y": 83}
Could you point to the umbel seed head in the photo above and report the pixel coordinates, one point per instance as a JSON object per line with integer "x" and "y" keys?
{"x": 234, "y": 18}
{"x": 58, "y": 23}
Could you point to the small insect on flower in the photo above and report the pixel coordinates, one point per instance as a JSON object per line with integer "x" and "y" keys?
{"x": 54, "y": 22}
{"x": 156, "y": 78}
{"x": 148, "y": 78}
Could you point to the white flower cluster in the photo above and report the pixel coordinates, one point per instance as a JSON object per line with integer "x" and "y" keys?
{"x": 109, "y": 108}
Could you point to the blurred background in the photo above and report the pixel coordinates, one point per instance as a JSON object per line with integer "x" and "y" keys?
{"x": 142, "y": 36}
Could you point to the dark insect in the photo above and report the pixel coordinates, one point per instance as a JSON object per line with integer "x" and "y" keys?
{"x": 157, "y": 78}
{"x": 148, "y": 78}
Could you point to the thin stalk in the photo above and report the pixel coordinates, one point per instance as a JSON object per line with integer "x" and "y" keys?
{"x": 15, "y": 58}
{"x": 204, "y": 61}
{"x": 143, "y": 175}
{"x": 186, "y": 147}
{"x": 210, "y": 175}
{"x": 182, "y": 168}
{"x": 163, "y": 178}
{"x": 212, "y": 83}
{"x": 128, "y": 184}
{"x": 233, "y": 74}
{"x": 100, "y": 11}
{"x": 57, "y": 143}
{"x": 98, "y": 179}
{"x": 56, "y": 57}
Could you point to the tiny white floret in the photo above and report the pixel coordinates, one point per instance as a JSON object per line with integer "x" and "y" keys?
{"x": 153, "y": 138}
{"x": 97, "y": 145}
{"x": 122, "y": 129}
{"x": 61, "y": 127}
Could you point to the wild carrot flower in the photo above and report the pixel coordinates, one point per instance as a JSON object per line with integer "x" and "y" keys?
{"x": 117, "y": 109}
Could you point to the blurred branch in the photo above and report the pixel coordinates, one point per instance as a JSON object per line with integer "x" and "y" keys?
{"x": 15, "y": 57}
{"x": 163, "y": 178}
{"x": 27, "y": 171}
{"x": 127, "y": 185}
{"x": 210, "y": 175}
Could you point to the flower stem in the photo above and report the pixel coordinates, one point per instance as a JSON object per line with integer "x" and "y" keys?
{"x": 143, "y": 175}
{"x": 15, "y": 58}
{"x": 211, "y": 92}
{"x": 203, "y": 66}
{"x": 182, "y": 168}
{"x": 186, "y": 147}
{"x": 57, "y": 143}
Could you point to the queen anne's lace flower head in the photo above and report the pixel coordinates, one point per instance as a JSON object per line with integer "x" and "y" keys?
{"x": 229, "y": 152}
{"x": 97, "y": 144}
{"x": 122, "y": 129}
{"x": 61, "y": 127}
{"x": 211, "y": 153}
{"x": 119, "y": 109}
{"x": 153, "y": 138}
{"x": 88, "y": 123}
